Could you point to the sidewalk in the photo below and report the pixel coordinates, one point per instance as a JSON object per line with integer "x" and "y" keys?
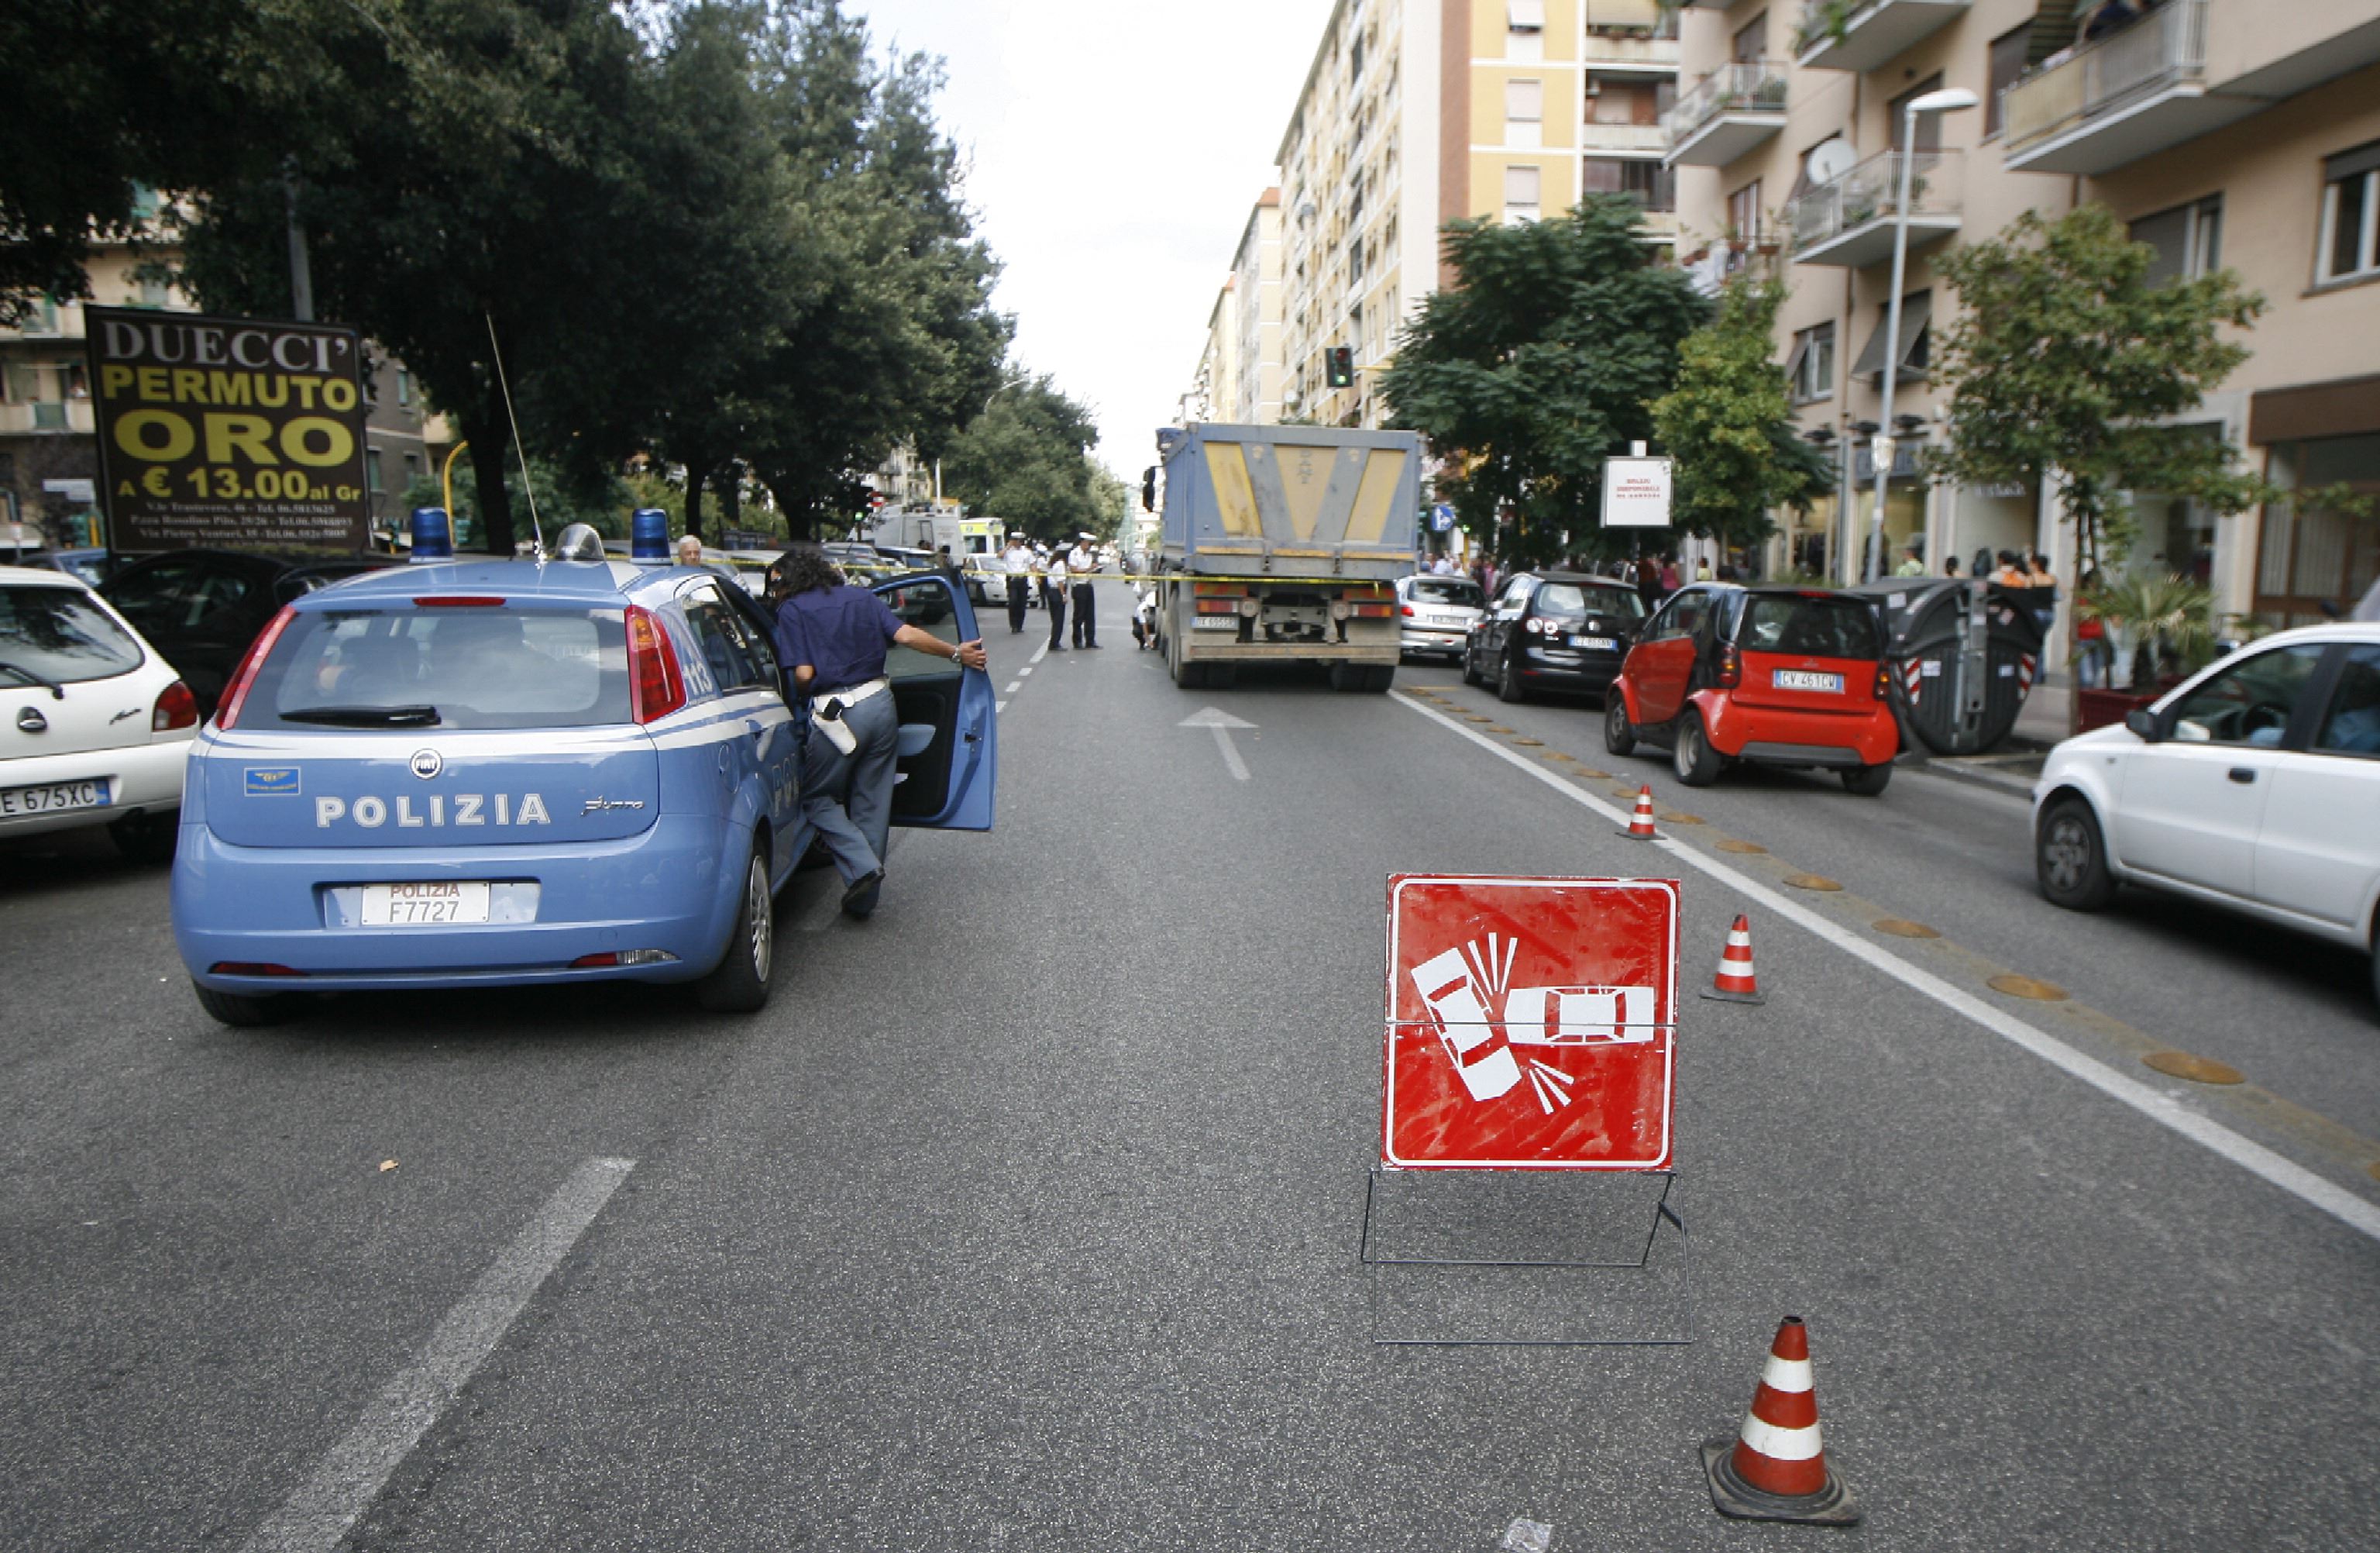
{"x": 2041, "y": 723}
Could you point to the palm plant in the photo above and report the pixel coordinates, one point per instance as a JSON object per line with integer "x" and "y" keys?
{"x": 2170, "y": 619}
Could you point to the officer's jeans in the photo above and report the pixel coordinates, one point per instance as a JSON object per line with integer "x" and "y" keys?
{"x": 848, "y": 799}
{"x": 1087, "y": 625}
{"x": 1016, "y": 604}
{"x": 1054, "y": 601}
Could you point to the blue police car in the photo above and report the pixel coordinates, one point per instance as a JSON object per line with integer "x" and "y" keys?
{"x": 504, "y": 773}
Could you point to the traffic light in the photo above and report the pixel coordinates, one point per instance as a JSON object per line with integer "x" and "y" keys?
{"x": 1148, "y": 489}
{"x": 1339, "y": 367}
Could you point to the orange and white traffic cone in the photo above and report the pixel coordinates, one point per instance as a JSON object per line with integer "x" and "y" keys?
{"x": 1776, "y": 1467}
{"x": 1639, "y": 826}
{"x": 1736, "y": 981}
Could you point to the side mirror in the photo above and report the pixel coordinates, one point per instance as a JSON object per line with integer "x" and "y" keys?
{"x": 2143, "y": 723}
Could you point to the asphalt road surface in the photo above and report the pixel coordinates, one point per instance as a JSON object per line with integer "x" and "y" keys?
{"x": 1027, "y": 1215}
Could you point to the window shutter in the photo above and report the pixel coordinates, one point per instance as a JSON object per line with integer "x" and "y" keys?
{"x": 2347, "y": 163}
{"x": 1526, "y": 16}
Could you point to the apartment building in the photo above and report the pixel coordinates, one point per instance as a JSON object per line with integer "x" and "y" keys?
{"x": 49, "y": 452}
{"x": 1214, "y": 389}
{"x": 1415, "y": 113}
{"x": 2241, "y": 133}
{"x": 1254, "y": 284}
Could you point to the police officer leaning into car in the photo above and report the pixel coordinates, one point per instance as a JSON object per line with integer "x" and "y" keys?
{"x": 831, "y": 638}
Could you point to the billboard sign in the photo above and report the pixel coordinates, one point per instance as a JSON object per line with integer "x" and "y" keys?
{"x": 1635, "y": 493}
{"x": 228, "y": 431}
{"x": 1531, "y": 1023}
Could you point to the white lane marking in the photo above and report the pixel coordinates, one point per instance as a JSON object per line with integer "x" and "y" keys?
{"x": 316, "y": 1518}
{"x": 1238, "y": 767}
{"x": 2257, "y": 1161}
{"x": 1222, "y": 722}
{"x": 1013, "y": 684}
{"x": 999, "y": 706}
{"x": 1022, "y": 672}
{"x": 1039, "y": 653}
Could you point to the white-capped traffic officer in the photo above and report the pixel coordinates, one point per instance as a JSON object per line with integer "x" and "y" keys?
{"x": 1081, "y": 562}
{"x": 832, "y": 638}
{"x": 1018, "y": 559}
{"x": 1053, "y": 598}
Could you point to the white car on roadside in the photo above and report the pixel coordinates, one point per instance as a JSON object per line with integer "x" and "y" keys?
{"x": 1435, "y": 613}
{"x": 2255, "y": 785}
{"x": 95, "y": 727}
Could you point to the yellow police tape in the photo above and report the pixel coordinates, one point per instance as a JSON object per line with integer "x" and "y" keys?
{"x": 989, "y": 577}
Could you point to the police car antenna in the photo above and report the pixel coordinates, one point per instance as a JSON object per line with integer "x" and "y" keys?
{"x": 534, "y": 527}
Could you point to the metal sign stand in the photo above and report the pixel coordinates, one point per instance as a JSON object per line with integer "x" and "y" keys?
{"x": 1445, "y": 1284}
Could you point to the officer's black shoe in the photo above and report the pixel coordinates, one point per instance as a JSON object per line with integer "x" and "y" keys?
{"x": 860, "y": 896}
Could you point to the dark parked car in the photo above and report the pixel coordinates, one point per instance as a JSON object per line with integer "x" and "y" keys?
{"x": 1552, "y": 630}
{"x": 1771, "y": 676}
{"x": 201, "y": 608}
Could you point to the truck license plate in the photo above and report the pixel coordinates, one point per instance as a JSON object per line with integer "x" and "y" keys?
{"x": 52, "y": 798}
{"x": 1802, "y": 679}
{"x": 435, "y": 903}
{"x": 1216, "y": 622}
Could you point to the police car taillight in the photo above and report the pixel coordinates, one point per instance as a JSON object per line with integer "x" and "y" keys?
{"x": 175, "y": 708}
{"x": 655, "y": 687}
{"x": 234, "y": 694}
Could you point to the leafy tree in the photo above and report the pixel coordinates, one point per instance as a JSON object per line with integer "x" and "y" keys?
{"x": 1728, "y": 425}
{"x": 2065, "y": 357}
{"x": 1541, "y": 363}
{"x": 1024, "y": 460}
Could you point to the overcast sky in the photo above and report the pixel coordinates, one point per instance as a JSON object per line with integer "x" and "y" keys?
{"x": 1116, "y": 147}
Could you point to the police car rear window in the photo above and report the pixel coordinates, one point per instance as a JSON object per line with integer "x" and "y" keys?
{"x": 444, "y": 667}
{"x": 1813, "y": 627}
{"x": 58, "y": 636}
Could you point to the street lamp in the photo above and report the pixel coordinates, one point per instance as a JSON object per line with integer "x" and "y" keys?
{"x": 1884, "y": 447}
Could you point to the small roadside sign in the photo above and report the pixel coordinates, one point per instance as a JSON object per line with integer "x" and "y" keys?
{"x": 1531, "y": 1023}
{"x": 1636, "y": 493}
{"x": 1441, "y": 517}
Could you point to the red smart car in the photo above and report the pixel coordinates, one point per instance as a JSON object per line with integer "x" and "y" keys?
{"x": 1779, "y": 676}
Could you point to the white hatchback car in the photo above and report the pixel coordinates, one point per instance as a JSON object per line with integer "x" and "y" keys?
{"x": 2255, "y": 785}
{"x": 1435, "y": 613}
{"x": 95, "y": 727}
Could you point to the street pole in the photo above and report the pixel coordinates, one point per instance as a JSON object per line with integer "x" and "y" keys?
{"x": 301, "y": 267}
{"x": 1883, "y": 446}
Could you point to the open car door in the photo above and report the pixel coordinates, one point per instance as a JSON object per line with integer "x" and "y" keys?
{"x": 947, "y": 765}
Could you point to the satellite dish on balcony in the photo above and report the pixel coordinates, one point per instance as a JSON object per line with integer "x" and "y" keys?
{"x": 1831, "y": 160}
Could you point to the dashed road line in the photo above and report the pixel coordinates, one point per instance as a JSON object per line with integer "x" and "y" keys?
{"x": 2274, "y": 1169}
{"x": 316, "y": 1518}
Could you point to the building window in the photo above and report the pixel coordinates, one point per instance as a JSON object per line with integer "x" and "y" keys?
{"x": 371, "y": 472}
{"x": 2007, "y": 64}
{"x": 1520, "y": 186}
{"x": 1656, "y": 186}
{"x": 1916, "y": 341}
{"x": 1526, "y": 16}
{"x": 1744, "y": 213}
{"x": 1524, "y": 113}
{"x": 2188, "y": 239}
{"x": 1810, "y": 370}
{"x": 153, "y": 292}
{"x": 1752, "y": 40}
{"x": 1929, "y": 126}
{"x": 2350, "y": 215}
{"x": 404, "y": 386}
{"x": 1617, "y": 100}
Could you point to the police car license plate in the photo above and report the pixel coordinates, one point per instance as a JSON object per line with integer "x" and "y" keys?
{"x": 433, "y": 904}
{"x": 53, "y": 798}
{"x": 1802, "y": 679}
{"x": 1598, "y": 643}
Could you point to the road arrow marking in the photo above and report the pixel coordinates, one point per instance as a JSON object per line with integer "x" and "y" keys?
{"x": 1222, "y": 722}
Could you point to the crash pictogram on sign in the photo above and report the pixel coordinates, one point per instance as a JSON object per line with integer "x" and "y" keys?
{"x": 1531, "y": 1023}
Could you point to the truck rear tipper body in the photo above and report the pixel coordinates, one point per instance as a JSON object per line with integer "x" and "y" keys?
{"x": 1283, "y": 545}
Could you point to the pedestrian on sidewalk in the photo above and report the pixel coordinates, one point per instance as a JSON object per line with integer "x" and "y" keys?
{"x": 1914, "y": 565}
{"x": 1053, "y": 598}
{"x": 1018, "y": 559}
{"x": 1081, "y": 562}
{"x": 2044, "y": 595}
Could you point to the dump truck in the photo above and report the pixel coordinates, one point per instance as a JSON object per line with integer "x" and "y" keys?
{"x": 1283, "y": 545}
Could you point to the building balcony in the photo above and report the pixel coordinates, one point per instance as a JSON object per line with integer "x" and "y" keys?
{"x": 2116, "y": 99}
{"x": 1622, "y": 139}
{"x": 1863, "y": 34}
{"x": 39, "y": 416}
{"x": 1849, "y": 223}
{"x": 1726, "y": 114}
{"x": 1631, "y": 52}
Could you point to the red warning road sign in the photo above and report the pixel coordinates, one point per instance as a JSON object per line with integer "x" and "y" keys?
{"x": 1531, "y": 1023}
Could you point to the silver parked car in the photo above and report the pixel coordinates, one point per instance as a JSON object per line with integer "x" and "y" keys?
{"x": 1435, "y": 613}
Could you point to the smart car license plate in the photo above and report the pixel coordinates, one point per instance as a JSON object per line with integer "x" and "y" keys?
{"x": 436, "y": 903}
{"x": 1595, "y": 643}
{"x": 1802, "y": 679}
{"x": 53, "y": 798}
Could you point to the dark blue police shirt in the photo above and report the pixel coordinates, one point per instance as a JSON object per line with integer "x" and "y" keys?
{"x": 840, "y": 633}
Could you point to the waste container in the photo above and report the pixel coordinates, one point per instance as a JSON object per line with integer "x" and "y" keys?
{"x": 1963, "y": 656}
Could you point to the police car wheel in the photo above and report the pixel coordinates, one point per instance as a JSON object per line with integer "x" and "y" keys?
{"x": 740, "y": 984}
{"x": 239, "y": 1011}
